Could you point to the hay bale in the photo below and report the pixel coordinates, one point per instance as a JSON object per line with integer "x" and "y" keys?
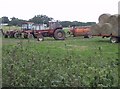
{"x": 103, "y": 18}
{"x": 106, "y": 28}
{"x": 119, "y": 32}
{"x": 108, "y": 24}
{"x": 96, "y": 29}
{"x": 113, "y": 20}
{"x": 115, "y": 31}
{"x": 119, "y": 25}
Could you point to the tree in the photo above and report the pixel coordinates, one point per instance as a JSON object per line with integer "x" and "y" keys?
{"x": 90, "y": 23}
{"x": 66, "y": 23}
{"x": 40, "y": 19}
{"x": 16, "y": 22}
{"x": 5, "y": 19}
{"x": 75, "y": 23}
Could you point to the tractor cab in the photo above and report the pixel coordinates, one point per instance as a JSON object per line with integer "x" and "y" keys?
{"x": 54, "y": 25}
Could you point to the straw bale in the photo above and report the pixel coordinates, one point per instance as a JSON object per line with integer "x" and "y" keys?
{"x": 106, "y": 28}
{"x": 95, "y": 29}
{"x": 103, "y": 18}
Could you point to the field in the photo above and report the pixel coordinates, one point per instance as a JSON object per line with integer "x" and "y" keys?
{"x": 7, "y": 28}
{"x": 70, "y": 63}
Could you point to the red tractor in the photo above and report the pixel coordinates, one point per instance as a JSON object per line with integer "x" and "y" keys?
{"x": 38, "y": 31}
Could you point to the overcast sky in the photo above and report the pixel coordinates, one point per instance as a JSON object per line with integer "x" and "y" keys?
{"x": 72, "y": 10}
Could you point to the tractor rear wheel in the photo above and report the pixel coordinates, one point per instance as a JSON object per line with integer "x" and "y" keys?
{"x": 59, "y": 34}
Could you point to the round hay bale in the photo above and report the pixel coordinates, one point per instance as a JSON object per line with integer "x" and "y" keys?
{"x": 103, "y": 18}
{"x": 95, "y": 29}
{"x": 113, "y": 20}
{"x": 115, "y": 31}
{"x": 106, "y": 28}
{"x": 119, "y": 21}
{"x": 118, "y": 24}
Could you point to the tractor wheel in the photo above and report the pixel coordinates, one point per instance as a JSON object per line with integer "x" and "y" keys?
{"x": 114, "y": 40}
{"x": 16, "y": 35}
{"x": 22, "y": 35}
{"x": 40, "y": 37}
{"x": 30, "y": 36}
{"x": 59, "y": 34}
{"x": 88, "y": 36}
{"x": 25, "y": 35}
{"x": 5, "y": 35}
{"x": 11, "y": 35}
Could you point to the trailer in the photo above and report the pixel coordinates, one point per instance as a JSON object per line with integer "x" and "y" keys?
{"x": 113, "y": 38}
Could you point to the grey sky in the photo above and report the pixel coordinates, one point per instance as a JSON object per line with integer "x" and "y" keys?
{"x": 80, "y": 10}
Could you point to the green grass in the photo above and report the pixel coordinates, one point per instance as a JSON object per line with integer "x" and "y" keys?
{"x": 7, "y": 28}
{"x": 72, "y": 62}
{"x": 66, "y": 29}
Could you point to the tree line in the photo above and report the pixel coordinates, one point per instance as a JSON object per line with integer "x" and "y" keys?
{"x": 41, "y": 19}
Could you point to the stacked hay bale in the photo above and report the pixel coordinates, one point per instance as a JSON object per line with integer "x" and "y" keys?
{"x": 108, "y": 24}
{"x": 113, "y": 20}
{"x": 119, "y": 25}
{"x": 96, "y": 29}
{"x": 103, "y": 18}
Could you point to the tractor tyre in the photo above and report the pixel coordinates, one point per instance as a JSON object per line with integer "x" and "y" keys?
{"x": 30, "y": 36}
{"x": 5, "y": 35}
{"x": 59, "y": 34}
{"x": 11, "y": 35}
{"x": 22, "y": 35}
{"x": 88, "y": 36}
{"x": 25, "y": 35}
{"x": 16, "y": 35}
{"x": 40, "y": 37}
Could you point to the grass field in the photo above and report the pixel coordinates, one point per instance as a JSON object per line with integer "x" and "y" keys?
{"x": 7, "y": 28}
{"x": 72, "y": 62}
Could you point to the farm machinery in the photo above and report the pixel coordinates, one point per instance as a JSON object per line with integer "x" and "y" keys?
{"x": 39, "y": 31}
{"x": 80, "y": 31}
